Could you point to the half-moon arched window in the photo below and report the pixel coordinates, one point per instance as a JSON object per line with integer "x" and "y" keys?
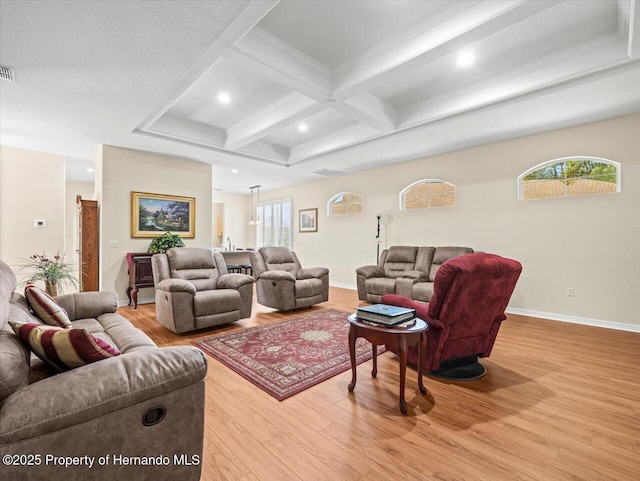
{"x": 345, "y": 203}
{"x": 428, "y": 193}
{"x": 569, "y": 177}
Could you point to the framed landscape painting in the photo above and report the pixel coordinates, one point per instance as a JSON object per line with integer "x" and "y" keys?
{"x": 153, "y": 214}
{"x": 308, "y": 220}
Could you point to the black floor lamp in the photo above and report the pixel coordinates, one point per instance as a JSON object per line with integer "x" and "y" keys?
{"x": 378, "y": 241}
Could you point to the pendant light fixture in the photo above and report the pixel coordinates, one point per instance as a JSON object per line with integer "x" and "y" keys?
{"x": 252, "y": 209}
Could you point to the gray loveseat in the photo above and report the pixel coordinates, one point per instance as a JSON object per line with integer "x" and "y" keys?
{"x": 99, "y": 409}
{"x": 404, "y": 270}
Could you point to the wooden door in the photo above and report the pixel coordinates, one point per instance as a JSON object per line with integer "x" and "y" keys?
{"x": 88, "y": 243}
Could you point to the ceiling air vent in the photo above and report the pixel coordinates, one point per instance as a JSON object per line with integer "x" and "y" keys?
{"x": 328, "y": 172}
{"x": 7, "y": 73}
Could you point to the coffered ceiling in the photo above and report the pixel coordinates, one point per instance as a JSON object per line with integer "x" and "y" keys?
{"x": 285, "y": 91}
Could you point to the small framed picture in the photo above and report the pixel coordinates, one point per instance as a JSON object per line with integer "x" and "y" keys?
{"x": 308, "y": 220}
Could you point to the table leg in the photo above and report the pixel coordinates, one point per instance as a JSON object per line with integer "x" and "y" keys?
{"x": 352, "y": 354}
{"x": 134, "y": 296}
{"x": 402, "y": 354}
{"x": 422, "y": 352}
{"x": 374, "y": 371}
{"x": 129, "y": 295}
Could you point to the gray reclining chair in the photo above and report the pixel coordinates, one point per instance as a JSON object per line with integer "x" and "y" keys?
{"x": 194, "y": 290}
{"x": 282, "y": 283}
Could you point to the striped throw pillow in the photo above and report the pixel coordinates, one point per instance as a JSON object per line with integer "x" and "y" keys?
{"x": 46, "y": 308}
{"x": 63, "y": 349}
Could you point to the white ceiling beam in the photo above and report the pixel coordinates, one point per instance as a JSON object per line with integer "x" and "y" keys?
{"x": 349, "y": 136}
{"x": 289, "y": 109}
{"x": 578, "y": 62}
{"x": 368, "y": 109}
{"x": 269, "y": 56}
{"x": 437, "y": 36}
{"x": 247, "y": 20}
{"x": 189, "y": 129}
{"x": 201, "y": 135}
{"x": 629, "y": 25}
{"x": 273, "y": 154}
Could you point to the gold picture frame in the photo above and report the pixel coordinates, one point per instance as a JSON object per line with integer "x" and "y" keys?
{"x": 308, "y": 220}
{"x": 153, "y": 214}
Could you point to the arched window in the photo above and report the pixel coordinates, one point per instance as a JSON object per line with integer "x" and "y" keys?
{"x": 428, "y": 193}
{"x": 345, "y": 203}
{"x": 569, "y": 177}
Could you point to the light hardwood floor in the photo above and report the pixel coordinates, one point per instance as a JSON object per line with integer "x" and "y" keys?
{"x": 559, "y": 402}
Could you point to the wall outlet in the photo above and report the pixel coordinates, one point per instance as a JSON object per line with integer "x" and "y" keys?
{"x": 570, "y": 291}
{"x": 113, "y": 244}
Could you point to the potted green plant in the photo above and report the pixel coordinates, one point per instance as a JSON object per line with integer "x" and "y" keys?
{"x": 52, "y": 270}
{"x": 161, "y": 243}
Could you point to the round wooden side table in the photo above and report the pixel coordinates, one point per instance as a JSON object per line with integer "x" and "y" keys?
{"x": 400, "y": 337}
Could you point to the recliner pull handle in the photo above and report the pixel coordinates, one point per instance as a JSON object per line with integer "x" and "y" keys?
{"x": 154, "y": 416}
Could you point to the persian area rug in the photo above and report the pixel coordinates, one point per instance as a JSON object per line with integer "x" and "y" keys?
{"x": 285, "y": 358}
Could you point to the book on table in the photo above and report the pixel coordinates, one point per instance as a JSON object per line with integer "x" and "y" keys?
{"x": 384, "y": 314}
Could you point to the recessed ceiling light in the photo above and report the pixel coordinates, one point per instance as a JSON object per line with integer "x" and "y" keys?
{"x": 465, "y": 59}
{"x": 303, "y": 127}
{"x": 234, "y": 171}
{"x": 89, "y": 169}
{"x": 224, "y": 98}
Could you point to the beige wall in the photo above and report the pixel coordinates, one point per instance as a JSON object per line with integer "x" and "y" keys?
{"x": 236, "y": 219}
{"x": 121, "y": 171}
{"x": 31, "y": 187}
{"x": 588, "y": 243}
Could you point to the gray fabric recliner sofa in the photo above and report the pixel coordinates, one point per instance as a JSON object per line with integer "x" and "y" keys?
{"x": 282, "y": 283}
{"x": 98, "y": 409}
{"x": 404, "y": 270}
{"x": 195, "y": 291}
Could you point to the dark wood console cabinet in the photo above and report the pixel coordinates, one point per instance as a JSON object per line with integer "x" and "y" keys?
{"x": 140, "y": 274}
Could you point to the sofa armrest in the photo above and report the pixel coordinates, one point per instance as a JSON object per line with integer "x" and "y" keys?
{"x": 370, "y": 271}
{"x": 176, "y": 285}
{"x": 98, "y": 389}
{"x": 312, "y": 272}
{"x": 416, "y": 275}
{"x": 277, "y": 276}
{"x": 82, "y": 305}
{"x": 233, "y": 281}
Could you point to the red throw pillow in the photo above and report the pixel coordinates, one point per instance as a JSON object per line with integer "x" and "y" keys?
{"x": 63, "y": 349}
{"x": 46, "y": 308}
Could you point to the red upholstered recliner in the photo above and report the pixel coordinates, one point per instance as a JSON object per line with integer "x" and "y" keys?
{"x": 470, "y": 295}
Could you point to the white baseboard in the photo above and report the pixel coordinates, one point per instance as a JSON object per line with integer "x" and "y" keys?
{"x": 620, "y": 326}
{"x": 141, "y": 300}
{"x": 344, "y": 286}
